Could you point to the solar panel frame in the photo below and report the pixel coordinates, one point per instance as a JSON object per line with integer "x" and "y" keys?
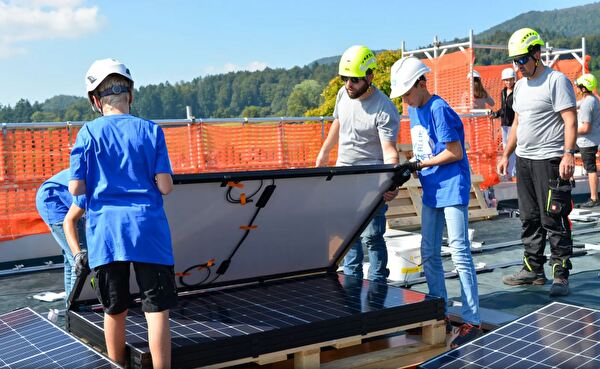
{"x": 27, "y": 340}
{"x": 557, "y": 335}
{"x": 351, "y": 194}
{"x": 337, "y": 306}
{"x": 348, "y": 198}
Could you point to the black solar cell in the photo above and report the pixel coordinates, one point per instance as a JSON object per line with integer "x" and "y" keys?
{"x": 29, "y": 341}
{"x": 555, "y": 336}
{"x": 233, "y": 323}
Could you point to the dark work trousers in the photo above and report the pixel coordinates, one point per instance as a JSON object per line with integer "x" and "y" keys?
{"x": 537, "y": 225}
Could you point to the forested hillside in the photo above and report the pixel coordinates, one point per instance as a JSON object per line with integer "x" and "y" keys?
{"x": 271, "y": 92}
{"x": 304, "y": 90}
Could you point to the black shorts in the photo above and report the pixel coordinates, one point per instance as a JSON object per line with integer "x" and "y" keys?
{"x": 156, "y": 282}
{"x": 588, "y": 156}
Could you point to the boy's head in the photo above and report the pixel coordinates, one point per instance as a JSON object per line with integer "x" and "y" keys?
{"x": 408, "y": 80}
{"x": 108, "y": 82}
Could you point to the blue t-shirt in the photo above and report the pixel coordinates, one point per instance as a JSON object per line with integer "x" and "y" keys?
{"x": 118, "y": 156}
{"x": 53, "y": 198}
{"x": 431, "y": 127}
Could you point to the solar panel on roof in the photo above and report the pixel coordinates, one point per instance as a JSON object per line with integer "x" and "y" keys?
{"x": 27, "y": 340}
{"x": 556, "y": 336}
{"x": 247, "y": 321}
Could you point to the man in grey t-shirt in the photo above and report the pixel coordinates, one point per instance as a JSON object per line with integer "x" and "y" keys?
{"x": 588, "y": 130}
{"x": 543, "y": 132}
{"x": 365, "y": 126}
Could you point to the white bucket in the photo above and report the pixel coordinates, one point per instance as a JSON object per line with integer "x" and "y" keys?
{"x": 404, "y": 258}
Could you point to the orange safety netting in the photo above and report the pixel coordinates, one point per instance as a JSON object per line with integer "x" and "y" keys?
{"x": 30, "y": 156}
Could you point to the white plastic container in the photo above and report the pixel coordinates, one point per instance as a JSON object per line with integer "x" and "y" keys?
{"x": 404, "y": 258}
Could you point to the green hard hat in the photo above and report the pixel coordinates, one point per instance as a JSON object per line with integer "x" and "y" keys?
{"x": 588, "y": 81}
{"x": 356, "y": 61}
{"x": 521, "y": 41}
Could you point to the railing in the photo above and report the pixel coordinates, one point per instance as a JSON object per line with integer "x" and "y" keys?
{"x": 32, "y": 152}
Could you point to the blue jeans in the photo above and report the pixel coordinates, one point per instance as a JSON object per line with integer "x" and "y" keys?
{"x": 372, "y": 239}
{"x": 511, "y": 170}
{"x": 59, "y": 235}
{"x": 432, "y": 228}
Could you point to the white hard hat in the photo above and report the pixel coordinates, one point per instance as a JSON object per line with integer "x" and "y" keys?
{"x": 100, "y": 69}
{"x": 475, "y": 74}
{"x": 404, "y": 74}
{"x": 508, "y": 73}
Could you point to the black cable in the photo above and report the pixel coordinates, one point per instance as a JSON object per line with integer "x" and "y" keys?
{"x": 261, "y": 203}
{"x": 231, "y": 200}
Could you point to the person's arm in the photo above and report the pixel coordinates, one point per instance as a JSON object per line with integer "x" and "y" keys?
{"x": 584, "y": 128}
{"x": 164, "y": 181}
{"x": 567, "y": 164}
{"x": 390, "y": 152}
{"x": 453, "y": 152}
{"x": 511, "y": 145}
{"x": 70, "y": 227}
{"x": 77, "y": 187}
{"x": 330, "y": 142}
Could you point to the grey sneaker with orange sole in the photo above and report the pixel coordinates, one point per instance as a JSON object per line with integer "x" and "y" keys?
{"x": 525, "y": 276}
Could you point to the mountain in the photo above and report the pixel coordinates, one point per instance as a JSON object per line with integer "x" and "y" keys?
{"x": 279, "y": 92}
{"x": 576, "y": 21}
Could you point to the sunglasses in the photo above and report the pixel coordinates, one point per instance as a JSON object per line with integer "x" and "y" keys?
{"x": 522, "y": 60}
{"x": 352, "y": 79}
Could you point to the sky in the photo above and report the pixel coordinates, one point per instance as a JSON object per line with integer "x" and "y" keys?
{"x": 46, "y": 46}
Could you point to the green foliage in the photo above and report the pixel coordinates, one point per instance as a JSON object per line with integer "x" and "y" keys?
{"x": 304, "y": 96}
{"x": 279, "y": 92}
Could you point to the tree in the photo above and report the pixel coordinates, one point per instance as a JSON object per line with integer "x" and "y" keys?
{"x": 304, "y": 96}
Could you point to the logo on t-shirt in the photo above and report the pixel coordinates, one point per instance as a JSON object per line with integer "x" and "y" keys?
{"x": 382, "y": 118}
{"x": 422, "y": 144}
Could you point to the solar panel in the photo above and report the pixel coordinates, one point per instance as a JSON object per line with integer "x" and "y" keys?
{"x": 309, "y": 219}
{"x": 29, "y": 341}
{"x": 239, "y": 322}
{"x": 556, "y": 336}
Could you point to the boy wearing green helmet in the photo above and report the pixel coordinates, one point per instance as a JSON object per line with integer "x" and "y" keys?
{"x": 588, "y": 132}
{"x": 543, "y": 137}
{"x": 365, "y": 128}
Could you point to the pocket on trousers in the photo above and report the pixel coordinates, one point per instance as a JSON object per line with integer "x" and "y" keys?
{"x": 559, "y": 198}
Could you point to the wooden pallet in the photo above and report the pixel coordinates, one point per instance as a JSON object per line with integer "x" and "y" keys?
{"x": 309, "y": 356}
{"x": 404, "y": 212}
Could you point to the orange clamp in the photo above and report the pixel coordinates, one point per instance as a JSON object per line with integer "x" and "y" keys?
{"x": 235, "y": 184}
{"x": 248, "y": 228}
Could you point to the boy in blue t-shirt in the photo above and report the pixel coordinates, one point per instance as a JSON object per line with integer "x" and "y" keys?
{"x": 53, "y": 201}
{"x": 441, "y": 161}
{"x": 121, "y": 162}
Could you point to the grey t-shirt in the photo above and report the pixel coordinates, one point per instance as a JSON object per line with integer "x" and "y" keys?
{"x": 540, "y": 134}
{"x": 589, "y": 112}
{"x": 363, "y": 124}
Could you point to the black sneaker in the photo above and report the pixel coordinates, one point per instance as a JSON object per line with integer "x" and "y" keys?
{"x": 591, "y": 203}
{"x": 524, "y": 276}
{"x": 560, "y": 287}
{"x": 467, "y": 332}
